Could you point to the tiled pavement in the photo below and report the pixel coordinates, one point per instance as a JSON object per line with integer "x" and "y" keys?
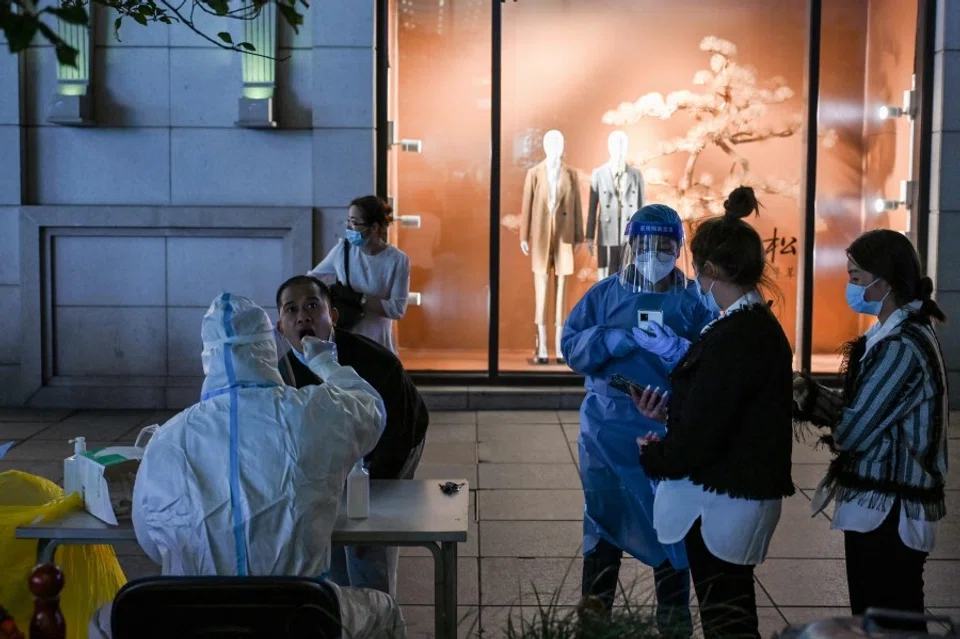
{"x": 527, "y": 508}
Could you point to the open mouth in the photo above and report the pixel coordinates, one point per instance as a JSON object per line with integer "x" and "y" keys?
{"x": 304, "y": 332}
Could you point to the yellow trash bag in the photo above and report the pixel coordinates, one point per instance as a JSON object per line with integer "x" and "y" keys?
{"x": 92, "y": 575}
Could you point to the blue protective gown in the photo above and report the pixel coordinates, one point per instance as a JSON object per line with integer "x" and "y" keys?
{"x": 597, "y": 342}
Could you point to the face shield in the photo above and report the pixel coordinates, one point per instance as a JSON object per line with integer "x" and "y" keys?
{"x": 651, "y": 251}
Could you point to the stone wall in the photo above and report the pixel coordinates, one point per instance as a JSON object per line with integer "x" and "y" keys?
{"x": 132, "y": 226}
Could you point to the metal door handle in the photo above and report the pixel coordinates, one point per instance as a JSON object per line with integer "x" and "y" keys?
{"x": 410, "y": 221}
{"x": 413, "y": 299}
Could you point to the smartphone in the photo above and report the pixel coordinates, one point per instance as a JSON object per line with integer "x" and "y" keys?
{"x": 646, "y": 318}
{"x": 624, "y": 385}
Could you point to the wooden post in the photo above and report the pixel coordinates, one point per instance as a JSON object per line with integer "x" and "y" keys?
{"x": 46, "y": 582}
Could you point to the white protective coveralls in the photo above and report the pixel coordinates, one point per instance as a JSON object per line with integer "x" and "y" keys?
{"x": 248, "y": 481}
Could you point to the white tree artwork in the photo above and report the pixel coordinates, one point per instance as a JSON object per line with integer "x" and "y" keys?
{"x": 731, "y": 112}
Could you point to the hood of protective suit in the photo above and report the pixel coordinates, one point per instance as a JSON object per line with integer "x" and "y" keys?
{"x": 239, "y": 348}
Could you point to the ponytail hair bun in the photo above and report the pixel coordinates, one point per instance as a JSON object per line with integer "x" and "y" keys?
{"x": 741, "y": 203}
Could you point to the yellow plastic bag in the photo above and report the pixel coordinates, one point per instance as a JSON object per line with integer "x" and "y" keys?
{"x": 92, "y": 575}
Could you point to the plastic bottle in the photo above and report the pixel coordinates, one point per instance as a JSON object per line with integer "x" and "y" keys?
{"x": 358, "y": 492}
{"x": 71, "y": 471}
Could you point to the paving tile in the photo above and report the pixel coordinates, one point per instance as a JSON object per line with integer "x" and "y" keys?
{"x": 20, "y": 430}
{"x": 804, "y": 582}
{"x": 952, "y": 613}
{"x": 495, "y": 620}
{"x": 569, "y": 417}
{"x": 452, "y": 417}
{"x": 499, "y": 581}
{"x": 948, "y": 534}
{"x": 428, "y": 470}
{"x": 799, "y": 535}
{"x": 43, "y": 415}
{"x": 941, "y": 585}
{"x": 571, "y": 432}
{"x": 808, "y": 476}
{"x": 519, "y": 432}
{"x": 51, "y": 470}
{"x": 449, "y": 453}
{"x": 529, "y": 476}
{"x": 799, "y": 616}
{"x": 528, "y": 450}
{"x": 770, "y": 620}
{"x": 805, "y": 453}
{"x": 518, "y": 417}
{"x": 527, "y": 505}
{"x": 451, "y": 434}
{"x": 530, "y": 539}
{"x": 420, "y": 621}
{"x": 49, "y": 451}
{"x": 415, "y": 581}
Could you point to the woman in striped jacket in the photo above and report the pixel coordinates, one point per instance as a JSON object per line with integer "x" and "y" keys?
{"x": 888, "y": 428}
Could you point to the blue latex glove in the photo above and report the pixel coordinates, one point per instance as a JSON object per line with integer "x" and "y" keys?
{"x": 662, "y": 342}
{"x": 314, "y": 347}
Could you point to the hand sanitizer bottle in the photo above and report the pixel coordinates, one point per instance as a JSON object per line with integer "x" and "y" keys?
{"x": 358, "y": 492}
{"x": 71, "y": 470}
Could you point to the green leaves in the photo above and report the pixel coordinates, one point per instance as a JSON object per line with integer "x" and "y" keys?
{"x": 74, "y": 14}
{"x": 22, "y": 24}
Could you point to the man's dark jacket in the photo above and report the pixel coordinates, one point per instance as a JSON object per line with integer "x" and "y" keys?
{"x": 407, "y": 415}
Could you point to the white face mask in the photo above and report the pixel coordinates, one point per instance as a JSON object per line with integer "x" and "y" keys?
{"x": 654, "y": 269}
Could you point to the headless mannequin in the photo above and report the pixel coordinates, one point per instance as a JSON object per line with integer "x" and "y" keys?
{"x": 553, "y": 148}
{"x": 617, "y": 164}
{"x": 620, "y": 187}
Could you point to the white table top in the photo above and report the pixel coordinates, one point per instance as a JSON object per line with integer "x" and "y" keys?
{"x": 401, "y": 511}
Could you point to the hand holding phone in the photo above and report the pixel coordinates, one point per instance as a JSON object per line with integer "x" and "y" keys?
{"x": 651, "y": 403}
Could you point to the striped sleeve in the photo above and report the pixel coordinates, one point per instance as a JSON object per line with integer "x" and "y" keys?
{"x": 891, "y": 388}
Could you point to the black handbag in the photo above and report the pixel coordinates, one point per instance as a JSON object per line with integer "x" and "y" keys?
{"x": 348, "y": 302}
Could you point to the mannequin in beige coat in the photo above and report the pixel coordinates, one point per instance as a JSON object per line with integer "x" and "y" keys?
{"x": 551, "y": 223}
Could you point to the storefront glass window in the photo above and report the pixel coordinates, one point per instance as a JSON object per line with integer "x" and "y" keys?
{"x": 606, "y": 106}
{"x": 868, "y": 48}
{"x": 440, "y": 96}
{"x": 683, "y": 102}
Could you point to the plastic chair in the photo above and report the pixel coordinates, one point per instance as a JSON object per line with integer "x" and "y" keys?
{"x": 226, "y": 607}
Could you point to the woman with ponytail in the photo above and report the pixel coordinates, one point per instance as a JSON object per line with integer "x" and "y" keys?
{"x": 724, "y": 463}
{"x": 887, "y": 429}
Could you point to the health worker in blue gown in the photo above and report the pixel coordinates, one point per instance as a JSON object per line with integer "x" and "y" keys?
{"x": 603, "y": 337}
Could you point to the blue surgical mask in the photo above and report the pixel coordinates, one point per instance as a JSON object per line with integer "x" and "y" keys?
{"x": 707, "y": 297}
{"x": 856, "y": 298}
{"x": 356, "y": 238}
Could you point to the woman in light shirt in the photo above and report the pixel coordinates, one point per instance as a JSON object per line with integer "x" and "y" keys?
{"x": 888, "y": 429}
{"x": 379, "y": 271}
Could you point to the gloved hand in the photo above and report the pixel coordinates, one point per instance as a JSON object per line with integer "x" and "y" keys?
{"x": 662, "y": 342}
{"x": 314, "y": 346}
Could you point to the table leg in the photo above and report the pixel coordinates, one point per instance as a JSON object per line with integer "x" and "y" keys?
{"x": 448, "y": 550}
{"x": 46, "y": 549}
{"x": 444, "y": 589}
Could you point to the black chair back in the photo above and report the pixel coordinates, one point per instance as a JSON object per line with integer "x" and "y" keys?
{"x": 226, "y": 608}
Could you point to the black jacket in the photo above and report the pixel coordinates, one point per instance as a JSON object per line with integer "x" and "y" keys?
{"x": 407, "y": 415}
{"x": 730, "y": 425}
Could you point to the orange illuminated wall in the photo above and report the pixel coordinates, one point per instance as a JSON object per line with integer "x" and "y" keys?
{"x": 565, "y": 64}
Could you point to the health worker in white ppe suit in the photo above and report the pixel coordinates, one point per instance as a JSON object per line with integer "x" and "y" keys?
{"x": 248, "y": 481}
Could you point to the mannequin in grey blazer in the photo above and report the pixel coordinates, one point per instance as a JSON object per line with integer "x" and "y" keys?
{"x": 616, "y": 193}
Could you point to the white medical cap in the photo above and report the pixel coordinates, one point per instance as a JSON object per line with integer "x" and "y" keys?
{"x": 234, "y": 319}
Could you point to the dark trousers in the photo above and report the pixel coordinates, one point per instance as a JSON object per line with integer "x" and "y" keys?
{"x": 882, "y": 572}
{"x": 728, "y": 601}
{"x": 601, "y": 571}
